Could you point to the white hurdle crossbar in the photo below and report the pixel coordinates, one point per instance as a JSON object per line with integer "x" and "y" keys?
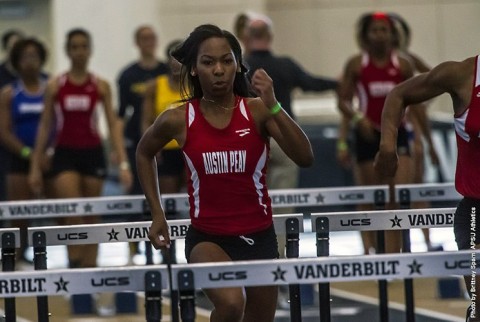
{"x": 387, "y": 219}
{"x": 339, "y": 221}
{"x": 127, "y": 232}
{"x": 282, "y": 198}
{"x": 240, "y": 273}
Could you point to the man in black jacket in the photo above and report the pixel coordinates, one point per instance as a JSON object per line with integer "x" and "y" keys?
{"x": 286, "y": 75}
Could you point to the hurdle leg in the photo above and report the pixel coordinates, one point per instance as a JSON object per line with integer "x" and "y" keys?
{"x": 323, "y": 231}
{"x": 379, "y": 198}
{"x": 8, "y": 265}
{"x": 173, "y": 293}
{"x": 40, "y": 263}
{"x": 406, "y": 245}
{"x": 186, "y": 289}
{"x": 153, "y": 296}
{"x": 292, "y": 235}
{"x": 382, "y": 284}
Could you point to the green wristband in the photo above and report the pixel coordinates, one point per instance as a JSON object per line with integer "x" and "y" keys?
{"x": 342, "y": 145}
{"x": 356, "y": 118}
{"x": 275, "y": 109}
{"x": 25, "y": 152}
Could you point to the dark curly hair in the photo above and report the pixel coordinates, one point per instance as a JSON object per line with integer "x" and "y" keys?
{"x": 20, "y": 46}
{"x": 186, "y": 53}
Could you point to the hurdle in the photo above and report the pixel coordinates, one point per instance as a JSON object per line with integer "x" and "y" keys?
{"x": 41, "y": 237}
{"x": 336, "y": 221}
{"x": 178, "y": 202}
{"x": 234, "y": 274}
{"x": 10, "y": 240}
{"x": 403, "y": 219}
{"x": 281, "y": 198}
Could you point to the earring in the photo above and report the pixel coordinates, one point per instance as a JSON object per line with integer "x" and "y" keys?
{"x": 193, "y": 73}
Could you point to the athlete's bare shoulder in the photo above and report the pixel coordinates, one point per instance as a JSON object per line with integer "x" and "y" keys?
{"x": 176, "y": 114}
{"x": 53, "y": 84}
{"x": 354, "y": 63}
{"x": 168, "y": 126}
{"x": 454, "y": 75}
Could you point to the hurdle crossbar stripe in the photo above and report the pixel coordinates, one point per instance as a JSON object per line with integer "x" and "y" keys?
{"x": 126, "y": 232}
{"x": 77, "y": 281}
{"x": 14, "y": 231}
{"x": 338, "y": 221}
{"x": 387, "y": 219}
{"x": 430, "y": 192}
{"x": 241, "y": 273}
{"x": 282, "y": 198}
{"x": 330, "y": 269}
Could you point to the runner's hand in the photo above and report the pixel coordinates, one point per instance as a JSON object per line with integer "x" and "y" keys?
{"x": 158, "y": 234}
{"x": 263, "y": 86}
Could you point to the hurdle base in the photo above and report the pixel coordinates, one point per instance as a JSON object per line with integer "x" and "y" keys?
{"x": 449, "y": 288}
{"x": 126, "y": 302}
{"x": 307, "y": 294}
{"x": 81, "y": 304}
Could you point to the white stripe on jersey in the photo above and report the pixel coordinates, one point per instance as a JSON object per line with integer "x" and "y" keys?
{"x": 365, "y": 59}
{"x": 191, "y": 114}
{"x": 460, "y": 126}
{"x": 256, "y": 178}
{"x": 362, "y": 98}
{"x": 243, "y": 110}
{"x": 195, "y": 185}
{"x": 477, "y": 77}
{"x": 395, "y": 60}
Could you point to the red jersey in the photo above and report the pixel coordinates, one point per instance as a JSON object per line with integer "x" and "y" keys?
{"x": 374, "y": 84}
{"x": 226, "y": 173}
{"x": 467, "y": 130}
{"x": 76, "y": 120}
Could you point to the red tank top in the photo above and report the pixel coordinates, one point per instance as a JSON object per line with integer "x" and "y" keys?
{"x": 467, "y": 130}
{"x": 374, "y": 84}
{"x": 226, "y": 173}
{"x": 76, "y": 120}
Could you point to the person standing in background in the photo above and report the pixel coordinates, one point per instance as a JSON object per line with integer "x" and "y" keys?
{"x": 131, "y": 85}
{"x": 418, "y": 118}
{"x": 287, "y": 75}
{"x": 162, "y": 94}
{"x": 78, "y": 166}
{"x": 7, "y": 71}
{"x": 7, "y": 76}
{"x": 21, "y": 104}
{"x": 240, "y": 30}
{"x": 370, "y": 75}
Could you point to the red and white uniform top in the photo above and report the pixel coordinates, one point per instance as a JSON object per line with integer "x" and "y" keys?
{"x": 75, "y": 113}
{"x": 226, "y": 173}
{"x": 375, "y": 83}
{"x": 467, "y": 130}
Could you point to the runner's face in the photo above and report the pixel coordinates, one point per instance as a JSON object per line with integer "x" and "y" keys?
{"x": 147, "y": 41}
{"x": 379, "y": 34}
{"x": 79, "y": 49}
{"x": 30, "y": 62}
{"x": 216, "y": 67}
